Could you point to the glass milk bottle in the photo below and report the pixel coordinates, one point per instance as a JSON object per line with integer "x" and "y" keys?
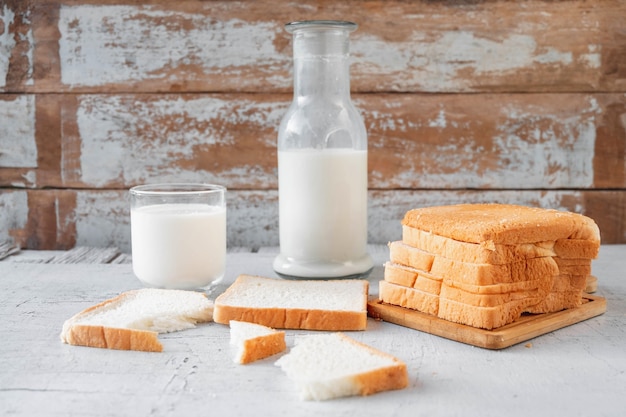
{"x": 322, "y": 161}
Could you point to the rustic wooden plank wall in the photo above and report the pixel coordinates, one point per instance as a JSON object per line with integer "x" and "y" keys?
{"x": 464, "y": 101}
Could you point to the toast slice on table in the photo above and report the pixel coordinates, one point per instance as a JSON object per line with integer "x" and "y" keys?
{"x": 295, "y": 304}
{"x": 252, "y": 342}
{"x": 133, "y": 320}
{"x": 332, "y": 365}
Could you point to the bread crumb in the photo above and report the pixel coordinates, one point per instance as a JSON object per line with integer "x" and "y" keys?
{"x": 528, "y": 345}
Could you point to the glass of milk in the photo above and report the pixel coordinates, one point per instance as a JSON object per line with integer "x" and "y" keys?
{"x": 322, "y": 161}
{"x": 178, "y": 234}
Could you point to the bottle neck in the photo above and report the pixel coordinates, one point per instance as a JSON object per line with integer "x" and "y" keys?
{"x": 321, "y": 63}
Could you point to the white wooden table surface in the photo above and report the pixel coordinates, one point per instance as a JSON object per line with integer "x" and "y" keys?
{"x": 576, "y": 371}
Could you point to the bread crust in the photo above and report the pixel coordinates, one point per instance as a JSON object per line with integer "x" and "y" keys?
{"x": 389, "y": 374}
{"x": 262, "y": 347}
{"x": 113, "y": 338}
{"x": 496, "y": 288}
{"x": 494, "y": 261}
{"x": 438, "y": 267}
{"x": 488, "y": 274}
{"x": 390, "y": 378}
{"x": 576, "y": 248}
{"x": 293, "y": 318}
{"x": 280, "y": 317}
{"x": 408, "y": 297}
{"x": 401, "y": 253}
{"x": 483, "y": 317}
{"x": 481, "y": 253}
{"x": 493, "y": 300}
{"x": 557, "y": 301}
{"x": 92, "y": 335}
{"x": 411, "y": 277}
{"x": 501, "y": 223}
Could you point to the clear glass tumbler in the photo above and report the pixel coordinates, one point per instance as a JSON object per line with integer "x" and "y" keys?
{"x": 322, "y": 161}
{"x": 178, "y": 234}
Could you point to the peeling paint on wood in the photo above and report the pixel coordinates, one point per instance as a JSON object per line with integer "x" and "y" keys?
{"x": 103, "y": 45}
{"x": 13, "y": 216}
{"x": 466, "y": 141}
{"x": 408, "y": 47}
{"x": 102, "y": 218}
{"x": 442, "y": 63}
{"x": 517, "y": 141}
{"x": 169, "y": 138}
{"x": 18, "y": 148}
{"x": 7, "y": 43}
{"x": 501, "y": 101}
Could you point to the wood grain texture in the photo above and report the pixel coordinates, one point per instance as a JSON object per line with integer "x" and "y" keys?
{"x": 56, "y": 219}
{"x": 515, "y": 141}
{"x": 241, "y": 45}
{"x": 520, "y": 102}
{"x": 523, "y": 329}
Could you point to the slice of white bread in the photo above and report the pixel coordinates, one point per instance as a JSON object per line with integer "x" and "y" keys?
{"x": 488, "y": 274}
{"x": 569, "y": 282}
{"x": 493, "y": 300}
{"x": 576, "y": 248}
{"x": 488, "y": 252}
{"x": 332, "y": 365}
{"x": 295, "y": 304}
{"x": 483, "y": 317}
{"x": 498, "y": 288}
{"x": 403, "y": 254}
{"x": 504, "y": 224}
{"x": 411, "y": 277}
{"x": 132, "y": 320}
{"x": 557, "y": 301}
{"x": 252, "y": 341}
{"x": 412, "y": 298}
{"x": 471, "y": 272}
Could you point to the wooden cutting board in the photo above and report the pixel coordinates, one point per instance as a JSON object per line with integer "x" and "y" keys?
{"x": 525, "y": 328}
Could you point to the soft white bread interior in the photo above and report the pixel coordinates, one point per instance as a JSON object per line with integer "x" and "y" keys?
{"x": 132, "y": 320}
{"x": 295, "y": 304}
{"x": 251, "y": 341}
{"x": 332, "y": 365}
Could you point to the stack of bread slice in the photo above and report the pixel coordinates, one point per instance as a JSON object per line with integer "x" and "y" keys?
{"x": 484, "y": 265}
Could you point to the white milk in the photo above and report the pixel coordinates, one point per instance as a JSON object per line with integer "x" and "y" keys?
{"x": 179, "y": 245}
{"x": 323, "y": 209}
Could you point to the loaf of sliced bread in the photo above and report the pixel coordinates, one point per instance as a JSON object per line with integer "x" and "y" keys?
{"x": 251, "y": 341}
{"x": 295, "y": 304}
{"x": 133, "y": 320}
{"x": 490, "y": 262}
{"x": 331, "y": 365}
